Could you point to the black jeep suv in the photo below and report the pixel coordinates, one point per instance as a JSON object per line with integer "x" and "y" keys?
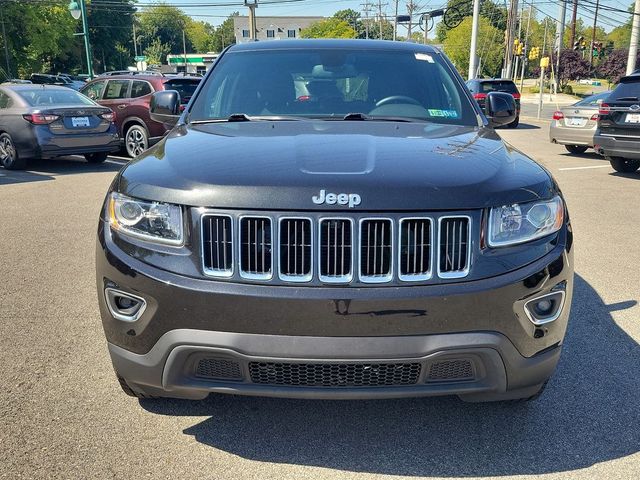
{"x": 334, "y": 219}
{"x": 618, "y": 134}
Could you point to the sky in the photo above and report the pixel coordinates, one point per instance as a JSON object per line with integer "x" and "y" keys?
{"x": 216, "y": 14}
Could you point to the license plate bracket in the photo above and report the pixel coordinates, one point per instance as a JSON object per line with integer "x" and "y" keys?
{"x": 632, "y": 118}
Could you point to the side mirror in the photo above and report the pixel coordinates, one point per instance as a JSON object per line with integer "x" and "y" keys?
{"x": 165, "y": 107}
{"x": 500, "y": 108}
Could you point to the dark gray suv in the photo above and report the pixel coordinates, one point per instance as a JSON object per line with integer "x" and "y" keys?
{"x": 334, "y": 230}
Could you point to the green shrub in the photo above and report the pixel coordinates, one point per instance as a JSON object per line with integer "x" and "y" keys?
{"x": 567, "y": 89}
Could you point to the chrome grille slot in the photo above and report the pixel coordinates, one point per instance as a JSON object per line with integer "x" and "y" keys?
{"x": 295, "y": 249}
{"x": 376, "y": 254}
{"x": 255, "y": 248}
{"x": 414, "y": 254}
{"x": 217, "y": 245}
{"x": 454, "y": 252}
{"x": 335, "y": 250}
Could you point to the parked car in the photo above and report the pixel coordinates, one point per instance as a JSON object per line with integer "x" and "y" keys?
{"x": 10, "y": 81}
{"x": 129, "y": 96}
{"x": 47, "y": 79}
{"x": 45, "y": 121}
{"x": 618, "y": 134}
{"x": 356, "y": 242}
{"x": 74, "y": 83}
{"x": 480, "y": 87}
{"x": 574, "y": 126}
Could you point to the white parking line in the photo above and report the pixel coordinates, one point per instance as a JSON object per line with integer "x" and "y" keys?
{"x": 585, "y": 168}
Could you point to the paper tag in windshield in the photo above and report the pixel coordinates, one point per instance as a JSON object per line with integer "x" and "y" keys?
{"x": 425, "y": 57}
{"x": 443, "y": 113}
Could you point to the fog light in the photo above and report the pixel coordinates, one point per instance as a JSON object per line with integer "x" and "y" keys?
{"x": 546, "y": 308}
{"x": 124, "y": 306}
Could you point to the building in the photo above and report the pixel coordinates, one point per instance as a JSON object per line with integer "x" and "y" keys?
{"x": 271, "y": 28}
{"x": 196, "y": 63}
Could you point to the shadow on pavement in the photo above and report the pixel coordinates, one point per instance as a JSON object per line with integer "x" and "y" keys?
{"x": 588, "y": 415}
{"x": 41, "y": 170}
{"x": 631, "y": 176}
{"x": 527, "y": 126}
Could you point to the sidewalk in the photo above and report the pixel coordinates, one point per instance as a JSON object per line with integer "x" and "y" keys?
{"x": 556, "y": 99}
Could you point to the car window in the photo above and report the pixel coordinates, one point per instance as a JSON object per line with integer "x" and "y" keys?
{"x": 116, "y": 89}
{"x": 320, "y": 83}
{"x": 628, "y": 88}
{"x": 5, "y": 101}
{"x": 185, "y": 87}
{"x": 508, "y": 87}
{"x": 45, "y": 96}
{"x": 94, "y": 90}
{"x": 140, "y": 88}
{"x": 592, "y": 100}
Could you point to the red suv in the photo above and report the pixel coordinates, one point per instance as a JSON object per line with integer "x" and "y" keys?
{"x": 129, "y": 97}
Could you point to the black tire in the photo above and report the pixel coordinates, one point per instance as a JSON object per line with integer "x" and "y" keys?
{"x": 515, "y": 123}
{"x": 136, "y": 140}
{"x": 576, "y": 149}
{"x": 624, "y": 165}
{"x": 129, "y": 391}
{"x": 99, "y": 157}
{"x": 9, "y": 157}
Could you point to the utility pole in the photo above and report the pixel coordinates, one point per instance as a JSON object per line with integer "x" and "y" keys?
{"x": 380, "y": 16}
{"x": 526, "y": 45}
{"x": 473, "y": 57}
{"x": 4, "y": 42}
{"x": 410, "y": 9}
{"x": 426, "y": 17}
{"x": 395, "y": 23}
{"x": 562, "y": 13}
{"x": 544, "y": 47}
{"x": 573, "y": 22}
{"x": 518, "y": 59}
{"x": 512, "y": 18}
{"x": 135, "y": 40}
{"x": 184, "y": 52}
{"x": 252, "y": 5}
{"x": 593, "y": 35}
{"x": 635, "y": 36}
{"x": 366, "y": 7}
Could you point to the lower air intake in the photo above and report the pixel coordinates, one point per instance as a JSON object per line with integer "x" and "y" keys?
{"x": 334, "y": 374}
{"x": 218, "y": 368}
{"x": 451, "y": 370}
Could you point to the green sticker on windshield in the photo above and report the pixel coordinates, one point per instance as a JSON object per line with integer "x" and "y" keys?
{"x": 443, "y": 113}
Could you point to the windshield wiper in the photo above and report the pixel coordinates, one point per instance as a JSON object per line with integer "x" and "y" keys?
{"x": 243, "y": 117}
{"x": 376, "y": 118}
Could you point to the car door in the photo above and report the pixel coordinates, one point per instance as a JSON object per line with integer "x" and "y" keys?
{"x": 117, "y": 97}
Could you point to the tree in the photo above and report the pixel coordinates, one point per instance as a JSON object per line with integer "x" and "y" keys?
{"x": 614, "y": 66}
{"x": 157, "y": 52}
{"x": 224, "y": 35}
{"x": 163, "y": 25}
{"x": 201, "y": 35}
{"x": 456, "y": 46}
{"x": 111, "y": 24}
{"x": 352, "y": 18}
{"x": 329, "y": 28}
{"x": 461, "y": 9}
{"x": 572, "y": 67}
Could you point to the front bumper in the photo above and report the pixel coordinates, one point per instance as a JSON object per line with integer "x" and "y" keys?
{"x": 186, "y": 319}
{"x": 616, "y": 147}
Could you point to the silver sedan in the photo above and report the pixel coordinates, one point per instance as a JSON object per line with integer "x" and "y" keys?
{"x": 574, "y": 126}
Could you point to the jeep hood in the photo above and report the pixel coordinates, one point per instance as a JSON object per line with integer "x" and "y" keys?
{"x": 282, "y": 165}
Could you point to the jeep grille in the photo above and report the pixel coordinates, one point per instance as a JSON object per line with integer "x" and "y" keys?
{"x": 316, "y": 249}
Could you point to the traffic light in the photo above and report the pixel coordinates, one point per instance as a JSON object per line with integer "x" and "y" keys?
{"x": 579, "y": 44}
{"x": 518, "y": 47}
{"x": 534, "y": 53}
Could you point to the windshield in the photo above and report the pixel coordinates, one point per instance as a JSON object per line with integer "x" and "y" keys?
{"x": 184, "y": 87}
{"x": 592, "y": 100}
{"x": 331, "y": 83}
{"x": 507, "y": 86}
{"x": 42, "y": 96}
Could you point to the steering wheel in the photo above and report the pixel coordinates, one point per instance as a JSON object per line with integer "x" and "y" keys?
{"x": 398, "y": 99}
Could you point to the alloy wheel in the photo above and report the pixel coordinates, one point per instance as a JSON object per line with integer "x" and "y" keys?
{"x": 136, "y": 141}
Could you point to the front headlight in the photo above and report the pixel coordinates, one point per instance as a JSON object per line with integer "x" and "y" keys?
{"x": 519, "y": 223}
{"x": 153, "y": 221}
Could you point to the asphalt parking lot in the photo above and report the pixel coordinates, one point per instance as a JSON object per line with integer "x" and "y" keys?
{"x": 62, "y": 414}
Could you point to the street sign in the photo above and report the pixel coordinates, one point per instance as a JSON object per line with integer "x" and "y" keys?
{"x": 140, "y": 58}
